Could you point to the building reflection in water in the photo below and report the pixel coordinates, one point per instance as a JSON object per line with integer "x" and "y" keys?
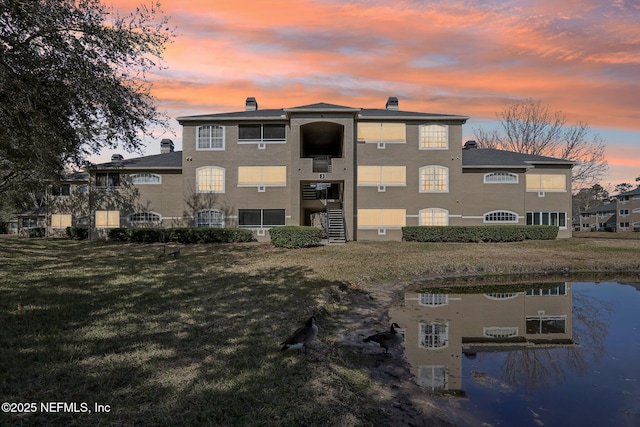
{"x": 440, "y": 329}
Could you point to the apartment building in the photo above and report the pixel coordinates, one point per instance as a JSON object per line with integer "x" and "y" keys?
{"x": 628, "y": 210}
{"x": 357, "y": 173}
{"x": 621, "y": 215}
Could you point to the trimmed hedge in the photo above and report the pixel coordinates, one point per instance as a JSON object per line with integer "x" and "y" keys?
{"x": 37, "y": 232}
{"x": 184, "y": 235}
{"x": 493, "y": 233}
{"x": 295, "y": 236}
{"x": 209, "y": 235}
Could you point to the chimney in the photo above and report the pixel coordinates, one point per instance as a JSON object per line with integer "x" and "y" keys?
{"x": 117, "y": 157}
{"x": 251, "y": 104}
{"x": 470, "y": 145}
{"x": 392, "y": 103}
{"x": 166, "y": 146}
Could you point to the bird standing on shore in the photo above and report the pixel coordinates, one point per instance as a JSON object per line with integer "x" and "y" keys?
{"x": 302, "y": 337}
{"x": 387, "y": 339}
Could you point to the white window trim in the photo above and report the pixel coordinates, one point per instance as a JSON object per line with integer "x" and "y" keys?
{"x": 445, "y": 334}
{"x": 432, "y": 191}
{"x": 262, "y": 142}
{"x": 224, "y": 180}
{"x": 515, "y": 179}
{"x": 433, "y": 300}
{"x": 446, "y": 137}
{"x": 500, "y": 332}
{"x": 136, "y": 175}
{"x": 210, "y": 210}
{"x": 130, "y": 221}
{"x": 515, "y": 221}
{"x": 446, "y": 212}
{"x": 224, "y": 132}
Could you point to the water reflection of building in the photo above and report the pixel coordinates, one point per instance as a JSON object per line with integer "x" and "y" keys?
{"x": 440, "y": 328}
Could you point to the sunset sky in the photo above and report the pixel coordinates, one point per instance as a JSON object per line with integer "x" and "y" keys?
{"x": 464, "y": 57}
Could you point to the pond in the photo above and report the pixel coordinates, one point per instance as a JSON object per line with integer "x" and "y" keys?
{"x": 537, "y": 354}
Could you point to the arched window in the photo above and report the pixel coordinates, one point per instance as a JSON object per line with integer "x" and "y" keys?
{"x": 434, "y": 216}
{"x": 434, "y": 335}
{"x": 144, "y": 218}
{"x": 210, "y": 218}
{"x": 501, "y": 216}
{"x": 434, "y": 179}
{"x": 501, "y": 178}
{"x": 145, "y": 178}
{"x": 434, "y": 137}
{"x": 210, "y": 137}
{"x": 210, "y": 179}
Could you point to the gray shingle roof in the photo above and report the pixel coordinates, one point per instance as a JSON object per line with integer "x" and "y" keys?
{"x": 609, "y": 207}
{"x": 172, "y": 160}
{"x": 363, "y": 113}
{"x": 489, "y": 157}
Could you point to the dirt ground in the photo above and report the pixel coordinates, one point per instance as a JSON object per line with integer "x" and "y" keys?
{"x": 368, "y": 314}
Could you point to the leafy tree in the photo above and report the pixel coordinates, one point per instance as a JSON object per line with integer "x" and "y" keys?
{"x": 72, "y": 82}
{"x": 587, "y": 198}
{"x": 527, "y": 126}
{"x": 621, "y": 188}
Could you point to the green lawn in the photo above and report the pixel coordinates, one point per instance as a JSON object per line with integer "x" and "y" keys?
{"x": 195, "y": 340}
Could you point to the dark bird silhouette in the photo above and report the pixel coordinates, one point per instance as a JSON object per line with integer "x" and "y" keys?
{"x": 387, "y": 339}
{"x": 302, "y": 337}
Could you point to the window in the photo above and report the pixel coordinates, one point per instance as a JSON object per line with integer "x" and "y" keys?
{"x": 434, "y": 335}
{"x": 107, "y": 180}
{"x": 501, "y": 216}
{"x": 107, "y": 219}
{"x": 624, "y": 211}
{"x": 636, "y": 210}
{"x": 434, "y": 179}
{"x": 381, "y": 218}
{"x": 499, "y": 332}
{"x": 433, "y": 377}
{"x": 382, "y": 176}
{"x": 259, "y": 218}
{"x": 382, "y": 133}
{"x": 434, "y": 300}
{"x": 210, "y": 218}
{"x": 434, "y": 137}
{"x": 546, "y": 182}
{"x": 558, "y": 290}
{"x": 29, "y": 222}
{"x": 257, "y": 133}
{"x": 501, "y": 178}
{"x": 624, "y": 225}
{"x": 146, "y": 178}
{"x": 210, "y": 179}
{"x": 547, "y": 218}
{"x": 210, "y": 137}
{"x": 434, "y": 216}
{"x": 546, "y": 324}
{"x": 262, "y": 176}
{"x": 139, "y": 218}
{"x": 500, "y": 295}
{"x": 60, "y": 221}
{"x": 61, "y": 190}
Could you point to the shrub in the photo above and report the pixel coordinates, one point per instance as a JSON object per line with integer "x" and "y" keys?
{"x": 77, "y": 233}
{"x": 37, "y": 232}
{"x": 118, "y": 234}
{"x": 145, "y": 235}
{"x": 295, "y": 237}
{"x": 209, "y": 235}
{"x": 494, "y": 233}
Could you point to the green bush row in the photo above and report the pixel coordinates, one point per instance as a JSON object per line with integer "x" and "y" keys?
{"x": 37, "y": 232}
{"x": 493, "y": 233}
{"x": 186, "y": 235}
{"x": 295, "y": 236}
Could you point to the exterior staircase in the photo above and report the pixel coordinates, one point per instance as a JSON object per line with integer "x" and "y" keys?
{"x": 336, "y": 232}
